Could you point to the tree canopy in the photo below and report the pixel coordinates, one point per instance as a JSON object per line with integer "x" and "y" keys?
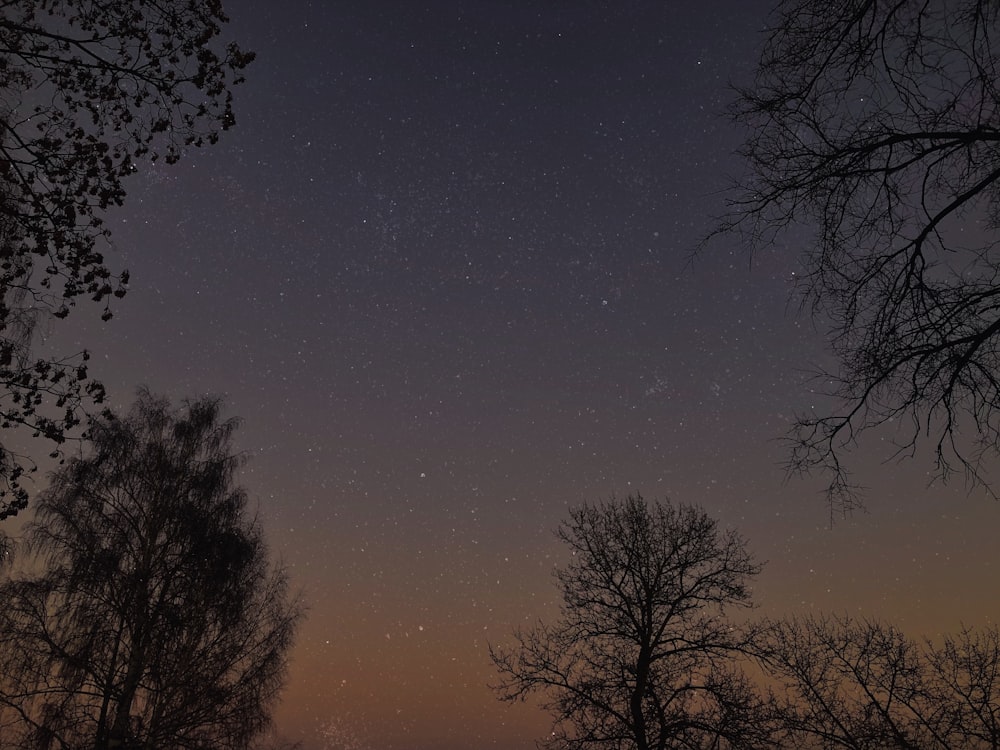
{"x": 874, "y": 125}
{"x": 839, "y": 682}
{"x": 87, "y": 92}
{"x": 645, "y": 655}
{"x": 642, "y": 654}
{"x": 149, "y": 614}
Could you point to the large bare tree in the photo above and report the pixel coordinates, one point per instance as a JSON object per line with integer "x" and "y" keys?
{"x": 149, "y": 614}
{"x": 89, "y": 93}
{"x": 874, "y": 128}
{"x": 643, "y": 653}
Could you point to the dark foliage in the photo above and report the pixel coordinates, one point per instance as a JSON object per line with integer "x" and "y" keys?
{"x": 149, "y": 615}
{"x": 877, "y": 124}
{"x": 643, "y": 654}
{"x": 87, "y": 91}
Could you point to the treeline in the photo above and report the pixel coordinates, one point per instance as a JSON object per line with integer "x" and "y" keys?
{"x": 648, "y": 654}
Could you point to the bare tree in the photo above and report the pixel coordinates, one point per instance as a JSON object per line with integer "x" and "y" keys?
{"x": 149, "y": 615}
{"x": 876, "y": 125}
{"x": 89, "y": 91}
{"x": 842, "y": 683}
{"x": 642, "y": 656}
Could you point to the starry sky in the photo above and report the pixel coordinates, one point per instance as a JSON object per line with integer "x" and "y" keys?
{"x": 442, "y": 269}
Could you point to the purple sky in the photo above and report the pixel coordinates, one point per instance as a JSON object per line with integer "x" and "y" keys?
{"x": 441, "y": 268}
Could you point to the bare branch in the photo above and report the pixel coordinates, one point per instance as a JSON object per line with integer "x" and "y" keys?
{"x": 643, "y": 653}
{"x": 876, "y": 124}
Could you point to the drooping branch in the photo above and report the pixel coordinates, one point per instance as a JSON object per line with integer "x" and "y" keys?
{"x": 876, "y": 125}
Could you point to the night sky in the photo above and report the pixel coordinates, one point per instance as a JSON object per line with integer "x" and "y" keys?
{"x": 442, "y": 269}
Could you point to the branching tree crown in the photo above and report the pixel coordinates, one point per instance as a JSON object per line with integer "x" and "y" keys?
{"x": 150, "y": 615}
{"x": 864, "y": 685}
{"x": 642, "y": 654}
{"x": 878, "y": 123}
{"x": 87, "y": 89}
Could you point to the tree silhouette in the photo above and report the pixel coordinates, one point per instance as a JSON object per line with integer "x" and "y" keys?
{"x": 841, "y": 683}
{"x": 87, "y": 92}
{"x": 876, "y": 125}
{"x": 643, "y": 655}
{"x": 149, "y": 615}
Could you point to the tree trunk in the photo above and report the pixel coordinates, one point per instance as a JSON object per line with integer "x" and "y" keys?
{"x": 635, "y": 700}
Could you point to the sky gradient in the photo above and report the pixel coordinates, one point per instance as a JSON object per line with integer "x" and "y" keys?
{"x": 442, "y": 270}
